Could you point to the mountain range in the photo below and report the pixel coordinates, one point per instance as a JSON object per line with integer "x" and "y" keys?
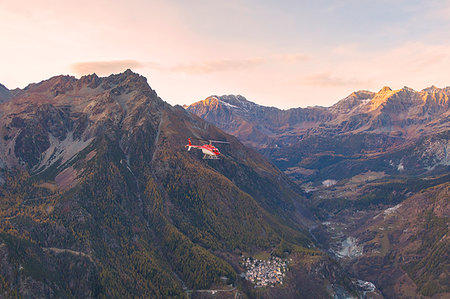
{"x": 391, "y": 130}
{"x": 375, "y": 169}
{"x": 99, "y": 198}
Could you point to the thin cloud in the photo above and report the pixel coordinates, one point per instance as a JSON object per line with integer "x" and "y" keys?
{"x": 224, "y": 65}
{"x": 327, "y": 79}
{"x": 193, "y": 68}
{"x": 104, "y": 67}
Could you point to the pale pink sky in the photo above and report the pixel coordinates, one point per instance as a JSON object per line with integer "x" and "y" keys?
{"x": 277, "y": 53}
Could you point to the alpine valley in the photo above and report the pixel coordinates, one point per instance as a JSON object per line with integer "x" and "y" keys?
{"x": 375, "y": 170}
{"x": 100, "y": 198}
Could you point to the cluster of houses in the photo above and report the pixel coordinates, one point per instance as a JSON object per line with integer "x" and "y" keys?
{"x": 265, "y": 273}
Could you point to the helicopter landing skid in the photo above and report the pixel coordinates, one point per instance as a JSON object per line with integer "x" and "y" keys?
{"x": 209, "y": 157}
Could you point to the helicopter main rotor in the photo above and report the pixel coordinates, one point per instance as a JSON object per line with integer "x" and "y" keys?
{"x": 210, "y": 141}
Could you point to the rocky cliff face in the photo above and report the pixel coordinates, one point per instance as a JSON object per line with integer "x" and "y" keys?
{"x": 95, "y": 178}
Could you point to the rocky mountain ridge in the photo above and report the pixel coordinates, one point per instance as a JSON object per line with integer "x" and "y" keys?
{"x": 372, "y": 124}
{"x": 361, "y": 110}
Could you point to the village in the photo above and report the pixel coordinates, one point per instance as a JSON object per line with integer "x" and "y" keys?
{"x": 265, "y": 273}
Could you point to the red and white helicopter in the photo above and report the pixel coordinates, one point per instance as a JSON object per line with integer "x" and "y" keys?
{"x": 209, "y": 151}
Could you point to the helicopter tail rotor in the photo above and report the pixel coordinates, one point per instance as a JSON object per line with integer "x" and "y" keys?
{"x": 189, "y": 144}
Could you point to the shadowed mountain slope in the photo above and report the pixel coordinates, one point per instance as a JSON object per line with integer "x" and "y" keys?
{"x": 95, "y": 178}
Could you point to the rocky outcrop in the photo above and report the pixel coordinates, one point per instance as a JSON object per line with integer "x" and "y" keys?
{"x": 5, "y": 94}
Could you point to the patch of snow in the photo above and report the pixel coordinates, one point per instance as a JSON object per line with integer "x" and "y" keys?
{"x": 329, "y": 183}
{"x": 367, "y": 286}
{"x": 228, "y": 104}
{"x": 350, "y": 248}
{"x": 392, "y": 210}
{"x": 388, "y": 211}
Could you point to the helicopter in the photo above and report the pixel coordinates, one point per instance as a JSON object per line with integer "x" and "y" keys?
{"x": 209, "y": 151}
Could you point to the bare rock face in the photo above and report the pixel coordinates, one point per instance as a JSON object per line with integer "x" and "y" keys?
{"x": 354, "y": 100}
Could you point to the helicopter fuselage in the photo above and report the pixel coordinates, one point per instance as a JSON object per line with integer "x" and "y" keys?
{"x": 209, "y": 151}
